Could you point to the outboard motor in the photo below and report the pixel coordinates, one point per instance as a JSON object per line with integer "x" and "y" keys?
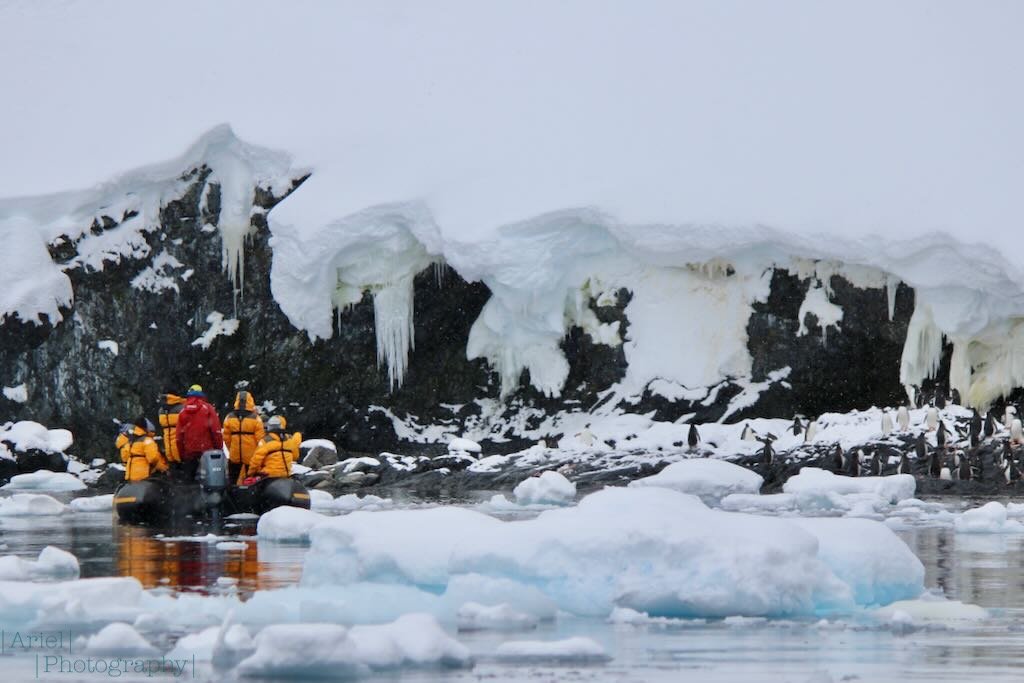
{"x": 213, "y": 477}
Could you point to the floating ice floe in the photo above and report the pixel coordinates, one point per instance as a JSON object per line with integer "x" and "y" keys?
{"x": 330, "y": 650}
{"x": 287, "y": 523}
{"x": 31, "y": 505}
{"x": 52, "y": 562}
{"x": 812, "y": 481}
{"x": 669, "y": 556}
{"x": 226, "y": 642}
{"x": 932, "y": 609}
{"x": 118, "y": 640}
{"x": 578, "y": 650}
{"x": 231, "y": 545}
{"x": 322, "y": 500}
{"x": 102, "y": 503}
{"x": 473, "y": 616}
{"x": 44, "y": 480}
{"x": 990, "y": 518}
{"x": 550, "y": 488}
{"x": 707, "y": 478}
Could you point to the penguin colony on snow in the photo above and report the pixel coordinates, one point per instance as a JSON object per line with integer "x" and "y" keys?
{"x": 959, "y": 451}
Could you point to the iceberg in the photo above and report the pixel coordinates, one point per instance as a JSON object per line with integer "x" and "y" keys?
{"x": 549, "y": 488}
{"x": 709, "y": 479}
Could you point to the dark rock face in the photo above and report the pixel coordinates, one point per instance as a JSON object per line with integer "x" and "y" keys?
{"x": 333, "y": 388}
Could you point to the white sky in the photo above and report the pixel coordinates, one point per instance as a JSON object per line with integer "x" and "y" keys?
{"x": 861, "y": 117}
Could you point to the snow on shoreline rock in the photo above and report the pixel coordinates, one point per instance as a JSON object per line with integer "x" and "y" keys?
{"x": 812, "y": 481}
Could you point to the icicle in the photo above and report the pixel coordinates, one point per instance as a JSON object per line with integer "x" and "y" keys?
{"x": 891, "y": 285}
{"x": 960, "y": 368}
{"x": 393, "y": 311}
{"x": 922, "y": 351}
{"x": 439, "y": 267}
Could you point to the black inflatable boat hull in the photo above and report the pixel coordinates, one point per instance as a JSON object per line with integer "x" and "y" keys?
{"x": 269, "y": 494}
{"x": 141, "y": 502}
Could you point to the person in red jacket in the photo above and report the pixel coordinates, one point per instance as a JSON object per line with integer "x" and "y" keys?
{"x": 198, "y": 430}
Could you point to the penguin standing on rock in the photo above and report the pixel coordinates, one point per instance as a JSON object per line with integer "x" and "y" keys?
{"x": 940, "y": 397}
{"x": 954, "y": 398}
{"x": 1011, "y": 473}
{"x": 963, "y": 472}
{"x": 921, "y": 448}
{"x": 975, "y": 428}
{"x": 940, "y": 434}
{"x": 810, "y": 432}
{"x": 876, "y": 464}
{"x": 748, "y": 433}
{"x": 903, "y": 418}
{"x": 693, "y": 438}
{"x": 931, "y": 419}
{"x": 838, "y": 460}
{"x": 977, "y": 465}
{"x": 935, "y": 464}
{"x": 767, "y": 452}
{"x": 1005, "y": 455}
{"x": 1008, "y": 416}
{"x": 797, "y": 427}
{"x": 904, "y": 465}
{"x": 990, "y": 424}
{"x": 886, "y": 423}
{"x": 853, "y": 464}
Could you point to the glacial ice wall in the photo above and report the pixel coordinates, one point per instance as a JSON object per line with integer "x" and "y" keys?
{"x": 690, "y": 287}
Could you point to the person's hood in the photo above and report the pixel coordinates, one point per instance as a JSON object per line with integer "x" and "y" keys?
{"x": 171, "y": 399}
{"x": 245, "y": 401}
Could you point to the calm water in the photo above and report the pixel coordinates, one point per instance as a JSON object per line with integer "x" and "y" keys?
{"x": 984, "y": 570}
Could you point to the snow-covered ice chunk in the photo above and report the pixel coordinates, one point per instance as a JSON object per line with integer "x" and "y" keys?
{"x": 550, "y": 488}
{"x": 52, "y": 562}
{"x": 772, "y": 502}
{"x": 18, "y": 394}
{"x": 330, "y": 650}
{"x": 669, "y": 556}
{"x": 287, "y": 523}
{"x": 473, "y": 616}
{"x": 320, "y": 499}
{"x": 28, "y": 435}
{"x": 814, "y": 481}
{"x": 576, "y": 650}
{"x": 231, "y": 545}
{"x": 709, "y": 479}
{"x": 868, "y": 557}
{"x": 102, "y": 503}
{"x": 44, "y": 480}
{"x": 30, "y": 505}
{"x": 990, "y": 518}
{"x": 213, "y": 641}
{"x": 119, "y": 640}
{"x": 934, "y": 609}
{"x": 70, "y": 603}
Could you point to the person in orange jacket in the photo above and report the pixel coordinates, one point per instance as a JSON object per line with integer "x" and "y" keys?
{"x": 170, "y": 408}
{"x": 243, "y": 431}
{"x": 276, "y": 453}
{"x": 139, "y": 451}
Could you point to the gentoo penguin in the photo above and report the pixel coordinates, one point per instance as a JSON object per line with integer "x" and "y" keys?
{"x": 946, "y": 473}
{"x": 767, "y": 452}
{"x": 853, "y": 463}
{"x": 921, "y": 448}
{"x": 963, "y": 472}
{"x": 876, "y": 465}
{"x": 810, "y": 432}
{"x": 1006, "y": 454}
{"x": 975, "y": 427}
{"x": 904, "y": 465}
{"x": 693, "y": 438}
{"x": 935, "y": 464}
{"x": 1008, "y": 416}
{"x": 931, "y": 418}
{"x": 1016, "y": 432}
{"x": 886, "y": 423}
{"x": 918, "y": 396}
{"x": 954, "y": 398}
{"x": 586, "y": 437}
{"x": 940, "y": 397}
{"x": 990, "y": 424}
{"x": 903, "y": 418}
{"x": 977, "y": 465}
{"x": 940, "y": 434}
{"x": 748, "y": 433}
{"x": 797, "y": 427}
{"x": 1010, "y": 472}
{"x": 838, "y": 460}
